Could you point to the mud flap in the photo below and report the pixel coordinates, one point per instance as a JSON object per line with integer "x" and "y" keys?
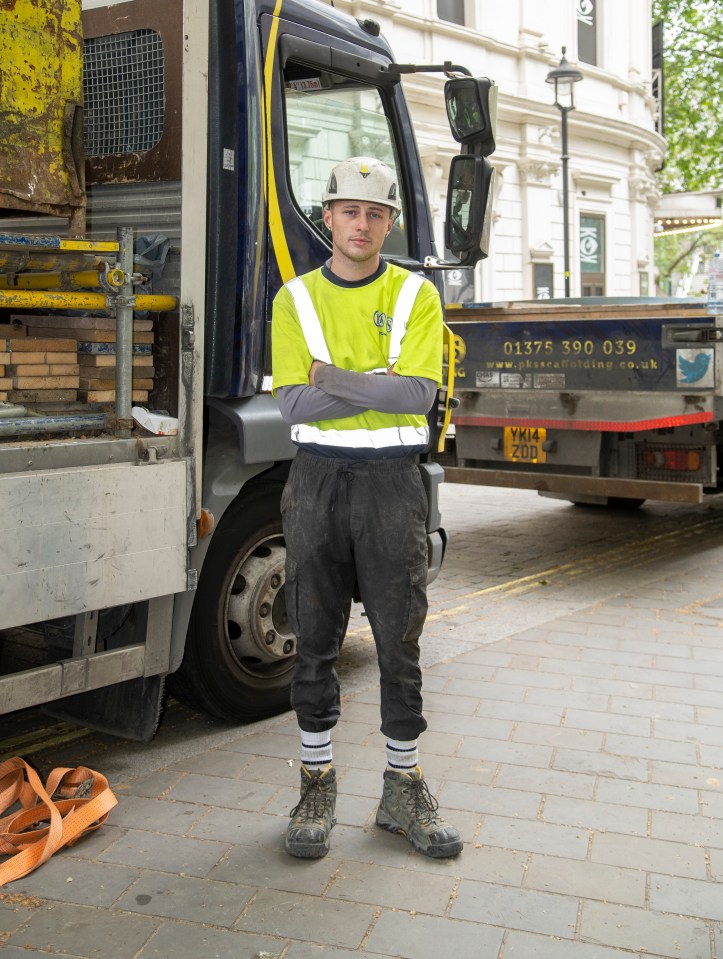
{"x": 130, "y": 710}
{"x": 432, "y": 476}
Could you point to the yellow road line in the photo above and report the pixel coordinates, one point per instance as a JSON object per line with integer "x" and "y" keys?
{"x": 634, "y": 551}
{"x": 584, "y": 565}
{"x": 29, "y": 736}
{"x": 46, "y": 743}
{"x": 46, "y": 737}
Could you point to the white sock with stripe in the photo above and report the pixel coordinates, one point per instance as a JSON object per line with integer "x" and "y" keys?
{"x": 402, "y": 755}
{"x": 315, "y": 749}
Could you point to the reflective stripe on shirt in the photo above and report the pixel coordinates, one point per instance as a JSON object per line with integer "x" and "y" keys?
{"x": 411, "y": 436}
{"x": 402, "y": 312}
{"x": 309, "y": 320}
{"x": 314, "y": 335}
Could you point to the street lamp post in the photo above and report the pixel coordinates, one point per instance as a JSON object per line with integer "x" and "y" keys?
{"x": 564, "y": 78}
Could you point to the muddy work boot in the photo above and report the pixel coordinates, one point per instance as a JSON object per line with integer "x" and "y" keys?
{"x": 307, "y": 835}
{"x": 407, "y": 807}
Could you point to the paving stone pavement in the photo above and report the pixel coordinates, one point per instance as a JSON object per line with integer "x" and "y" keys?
{"x": 582, "y": 760}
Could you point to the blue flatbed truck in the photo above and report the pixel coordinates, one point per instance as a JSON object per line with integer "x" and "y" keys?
{"x": 598, "y": 401}
{"x": 162, "y": 163}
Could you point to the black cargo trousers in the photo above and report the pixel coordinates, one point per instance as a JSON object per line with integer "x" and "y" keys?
{"x": 364, "y": 521}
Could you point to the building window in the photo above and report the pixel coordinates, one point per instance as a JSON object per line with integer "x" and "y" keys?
{"x": 592, "y": 255}
{"x": 542, "y": 281}
{"x": 587, "y": 31}
{"x": 451, "y": 10}
{"x": 658, "y": 77}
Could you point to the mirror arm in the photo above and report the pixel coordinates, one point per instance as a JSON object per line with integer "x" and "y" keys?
{"x": 434, "y": 263}
{"x": 451, "y": 70}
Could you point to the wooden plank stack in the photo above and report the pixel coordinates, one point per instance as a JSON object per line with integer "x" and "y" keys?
{"x": 42, "y": 370}
{"x": 37, "y": 369}
{"x": 6, "y": 329}
{"x": 5, "y": 381}
{"x": 94, "y": 340}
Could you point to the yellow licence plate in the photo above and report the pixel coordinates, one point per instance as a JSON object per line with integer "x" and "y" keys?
{"x": 523, "y": 444}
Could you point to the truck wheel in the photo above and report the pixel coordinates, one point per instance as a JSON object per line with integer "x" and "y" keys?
{"x": 240, "y": 650}
{"x": 609, "y": 502}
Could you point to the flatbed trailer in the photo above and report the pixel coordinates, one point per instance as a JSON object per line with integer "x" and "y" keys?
{"x": 598, "y": 401}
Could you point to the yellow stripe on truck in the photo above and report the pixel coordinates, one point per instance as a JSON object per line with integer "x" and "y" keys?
{"x": 276, "y": 226}
{"x": 450, "y": 350}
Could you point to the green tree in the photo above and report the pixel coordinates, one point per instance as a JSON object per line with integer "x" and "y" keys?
{"x": 693, "y": 108}
{"x": 693, "y": 93}
{"x": 682, "y": 258}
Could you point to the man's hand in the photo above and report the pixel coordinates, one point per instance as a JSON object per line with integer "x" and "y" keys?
{"x": 316, "y": 365}
{"x": 391, "y": 371}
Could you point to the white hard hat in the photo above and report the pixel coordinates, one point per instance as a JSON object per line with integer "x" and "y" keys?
{"x": 363, "y": 178}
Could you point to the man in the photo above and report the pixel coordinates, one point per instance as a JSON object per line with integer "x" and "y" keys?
{"x": 354, "y": 507}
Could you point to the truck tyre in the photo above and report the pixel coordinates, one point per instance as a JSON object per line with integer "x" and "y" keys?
{"x": 611, "y": 502}
{"x": 240, "y": 650}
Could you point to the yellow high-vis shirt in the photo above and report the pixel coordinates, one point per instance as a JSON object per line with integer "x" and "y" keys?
{"x": 356, "y": 321}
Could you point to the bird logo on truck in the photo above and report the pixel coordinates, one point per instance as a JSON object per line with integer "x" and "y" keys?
{"x": 695, "y": 366}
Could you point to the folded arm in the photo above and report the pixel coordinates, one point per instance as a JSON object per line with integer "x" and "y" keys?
{"x": 385, "y": 394}
{"x": 307, "y": 404}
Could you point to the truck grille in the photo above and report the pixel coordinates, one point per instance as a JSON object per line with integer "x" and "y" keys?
{"x": 124, "y": 95}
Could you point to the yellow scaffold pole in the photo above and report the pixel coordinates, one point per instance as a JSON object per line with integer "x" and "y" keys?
{"x": 20, "y": 261}
{"x": 25, "y": 243}
{"x": 78, "y": 300}
{"x": 66, "y": 280}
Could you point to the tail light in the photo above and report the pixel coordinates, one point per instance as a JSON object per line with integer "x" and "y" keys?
{"x": 674, "y": 460}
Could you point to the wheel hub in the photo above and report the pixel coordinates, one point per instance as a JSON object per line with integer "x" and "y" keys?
{"x": 257, "y": 622}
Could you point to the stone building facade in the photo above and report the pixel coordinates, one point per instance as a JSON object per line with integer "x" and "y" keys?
{"x": 614, "y": 146}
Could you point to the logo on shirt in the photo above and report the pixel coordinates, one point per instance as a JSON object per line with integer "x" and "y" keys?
{"x": 383, "y": 322}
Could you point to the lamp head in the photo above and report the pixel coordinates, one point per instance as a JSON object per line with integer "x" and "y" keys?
{"x": 564, "y": 77}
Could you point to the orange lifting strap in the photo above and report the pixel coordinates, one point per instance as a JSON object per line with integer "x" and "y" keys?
{"x": 44, "y": 818}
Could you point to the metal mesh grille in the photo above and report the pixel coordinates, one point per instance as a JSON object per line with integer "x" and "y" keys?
{"x": 124, "y": 99}
{"x": 648, "y": 469}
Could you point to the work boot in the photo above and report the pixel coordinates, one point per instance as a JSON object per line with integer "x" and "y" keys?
{"x": 307, "y": 835}
{"x": 407, "y": 807}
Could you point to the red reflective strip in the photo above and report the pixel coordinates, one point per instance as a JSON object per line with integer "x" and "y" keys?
{"x": 605, "y": 426}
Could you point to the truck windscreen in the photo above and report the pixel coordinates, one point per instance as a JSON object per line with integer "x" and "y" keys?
{"x": 330, "y": 117}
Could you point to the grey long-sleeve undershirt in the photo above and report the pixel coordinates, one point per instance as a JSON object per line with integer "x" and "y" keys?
{"x": 341, "y": 393}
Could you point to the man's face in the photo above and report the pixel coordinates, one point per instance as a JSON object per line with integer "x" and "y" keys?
{"x": 358, "y": 228}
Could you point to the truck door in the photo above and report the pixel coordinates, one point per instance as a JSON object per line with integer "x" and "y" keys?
{"x": 328, "y": 99}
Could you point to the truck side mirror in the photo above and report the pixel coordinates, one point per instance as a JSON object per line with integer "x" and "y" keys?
{"x": 469, "y": 208}
{"x": 472, "y": 112}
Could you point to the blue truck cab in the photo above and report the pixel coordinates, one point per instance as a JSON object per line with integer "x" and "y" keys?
{"x": 205, "y": 131}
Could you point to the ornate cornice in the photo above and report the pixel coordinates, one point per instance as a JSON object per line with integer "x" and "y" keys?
{"x": 542, "y": 253}
{"x": 643, "y": 189}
